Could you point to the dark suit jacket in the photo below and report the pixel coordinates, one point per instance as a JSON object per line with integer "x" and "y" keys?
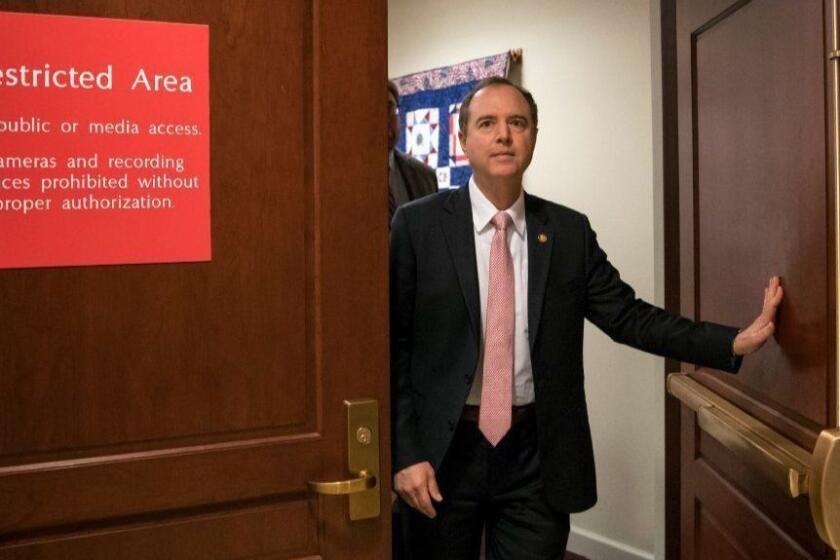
{"x": 419, "y": 178}
{"x": 436, "y": 333}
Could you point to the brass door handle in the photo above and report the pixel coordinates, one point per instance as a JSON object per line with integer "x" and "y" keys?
{"x": 362, "y": 492}
{"x": 793, "y": 469}
{"x": 365, "y": 481}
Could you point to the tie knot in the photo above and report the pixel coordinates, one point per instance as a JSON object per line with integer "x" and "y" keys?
{"x": 502, "y": 220}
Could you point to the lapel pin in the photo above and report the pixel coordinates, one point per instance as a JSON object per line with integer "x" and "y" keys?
{"x": 542, "y": 238}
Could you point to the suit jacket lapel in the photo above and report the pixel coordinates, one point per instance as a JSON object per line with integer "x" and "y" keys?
{"x": 460, "y": 239}
{"x": 540, "y": 243}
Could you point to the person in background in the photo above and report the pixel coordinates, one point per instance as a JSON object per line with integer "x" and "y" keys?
{"x": 408, "y": 179}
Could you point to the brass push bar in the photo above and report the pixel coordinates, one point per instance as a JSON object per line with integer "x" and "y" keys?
{"x": 791, "y": 468}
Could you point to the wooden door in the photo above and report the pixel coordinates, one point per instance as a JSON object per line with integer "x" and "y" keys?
{"x": 178, "y": 411}
{"x": 756, "y": 199}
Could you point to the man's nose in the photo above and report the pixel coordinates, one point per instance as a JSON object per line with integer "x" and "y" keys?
{"x": 503, "y": 133}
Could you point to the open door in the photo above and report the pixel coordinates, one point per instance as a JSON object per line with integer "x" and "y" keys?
{"x": 181, "y": 410}
{"x": 756, "y": 91}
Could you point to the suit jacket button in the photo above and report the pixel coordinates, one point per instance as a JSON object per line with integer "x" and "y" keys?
{"x": 452, "y": 425}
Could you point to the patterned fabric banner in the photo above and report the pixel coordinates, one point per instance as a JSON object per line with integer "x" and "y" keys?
{"x": 430, "y": 102}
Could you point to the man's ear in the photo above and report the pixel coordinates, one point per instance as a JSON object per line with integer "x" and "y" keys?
{"x": 462, "y": 138}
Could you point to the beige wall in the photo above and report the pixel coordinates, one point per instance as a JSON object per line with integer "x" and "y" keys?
{"x": 589, "y": 66}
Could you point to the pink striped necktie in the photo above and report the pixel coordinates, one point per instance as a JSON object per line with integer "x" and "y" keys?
{"x": 496, "y": 398}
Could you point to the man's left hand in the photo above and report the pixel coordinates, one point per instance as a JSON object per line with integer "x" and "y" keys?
{"x": 753, "y": 337}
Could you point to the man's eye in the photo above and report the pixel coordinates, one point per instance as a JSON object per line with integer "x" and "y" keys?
{"x": 519, "y": 123}
{"x": 483, "y": 124}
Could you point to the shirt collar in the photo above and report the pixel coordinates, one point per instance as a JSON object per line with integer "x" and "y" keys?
{"x": 391, "y": 158}
{"x": 483, "y": 210}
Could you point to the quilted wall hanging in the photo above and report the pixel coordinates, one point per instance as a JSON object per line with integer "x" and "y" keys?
{"x": 429, "y": 105}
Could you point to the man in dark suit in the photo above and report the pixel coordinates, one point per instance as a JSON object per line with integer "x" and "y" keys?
{"x": 408, "y": 178}
{"x": 490, "y": 287}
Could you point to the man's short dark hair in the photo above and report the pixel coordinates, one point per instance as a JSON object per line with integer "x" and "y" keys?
{"x": 392, "y": 88}
{"x": 464, "y": 117}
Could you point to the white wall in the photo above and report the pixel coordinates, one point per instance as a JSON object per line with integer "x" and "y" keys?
{"x": 589, "y": 65}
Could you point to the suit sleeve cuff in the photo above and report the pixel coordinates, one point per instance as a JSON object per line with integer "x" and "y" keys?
{"x": 733, "y": 361}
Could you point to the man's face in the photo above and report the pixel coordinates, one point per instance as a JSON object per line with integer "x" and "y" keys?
{"x": 393, "y": 122}
{"x": 500, "y": 137}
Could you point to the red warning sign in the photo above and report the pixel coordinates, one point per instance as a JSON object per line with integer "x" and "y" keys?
{"x": 104, "y": 141}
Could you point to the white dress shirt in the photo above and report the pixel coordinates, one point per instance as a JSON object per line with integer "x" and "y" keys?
{"x": 482, "y": 212}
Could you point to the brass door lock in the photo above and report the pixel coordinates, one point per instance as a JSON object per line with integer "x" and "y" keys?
{"x": 362, "y": 461}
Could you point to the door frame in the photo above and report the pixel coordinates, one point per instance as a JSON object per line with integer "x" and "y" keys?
{"x": 671, "y": 249}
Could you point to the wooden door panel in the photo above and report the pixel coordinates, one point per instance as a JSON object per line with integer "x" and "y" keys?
{"x": 725, "y": 499}
{"x": 756, "y": 537}
{"x": 729, "y": 485}
{"x": 42, "y": 495}
{"x": 179, "y": 410}
{"x": 217, "y": 348}
{"x": 761, "y": 196}
{"x": 755, "y": 195}
{"x": 714, "y": 541}
{"x": 280, "y": 531}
